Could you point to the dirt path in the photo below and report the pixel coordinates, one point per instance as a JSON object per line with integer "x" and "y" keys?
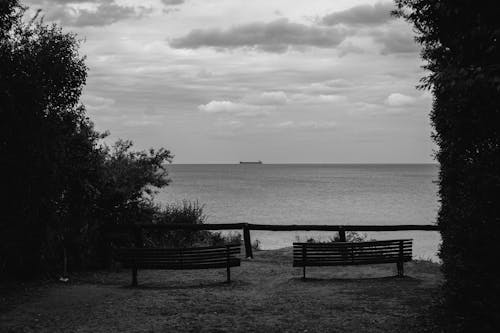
{"x": 266, "y": 295}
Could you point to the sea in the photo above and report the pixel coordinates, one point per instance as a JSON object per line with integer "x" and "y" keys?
{"x": 346, "y": 194}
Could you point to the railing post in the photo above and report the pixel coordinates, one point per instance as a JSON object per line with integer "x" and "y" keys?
{"x": 247, "y": 241}
{"x": 342, "y": 235}
{"x": 342, "y": 238}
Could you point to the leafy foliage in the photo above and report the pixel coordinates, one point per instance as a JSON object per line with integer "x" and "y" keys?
{"x": 128, "y": 182}
{"x": 350, "y": 236}
{"x": 186, "y": 212}
{"x": 461, "y": 46}
{"x": 62, "y": 184}
{"x": 46, "y": 141}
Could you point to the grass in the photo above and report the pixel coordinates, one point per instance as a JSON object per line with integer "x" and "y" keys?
{"x": 266, "y": 295}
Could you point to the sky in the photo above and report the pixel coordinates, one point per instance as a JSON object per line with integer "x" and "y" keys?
{"x": 222, "y": 81}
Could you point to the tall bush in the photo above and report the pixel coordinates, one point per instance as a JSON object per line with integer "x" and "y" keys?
{"x": 61, "y": 185}
{"x": 47, "y": 144}
{"x": 461, "y": 46}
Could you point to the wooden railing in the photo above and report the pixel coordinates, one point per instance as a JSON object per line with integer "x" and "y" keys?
{"x": 246, "y": 227}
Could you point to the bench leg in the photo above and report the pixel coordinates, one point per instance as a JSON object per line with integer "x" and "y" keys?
{"x": 303, "y": 272}
{"x": 228, "y": 274}
{"x": 134, "y": 277}
{"x": 401, "y": 272}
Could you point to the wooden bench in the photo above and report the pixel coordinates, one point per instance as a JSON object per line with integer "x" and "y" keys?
{"x": 353, "y": 253}
{"x": 179, "y": 259}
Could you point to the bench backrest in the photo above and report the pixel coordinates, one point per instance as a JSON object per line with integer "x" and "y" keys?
{"x": 180, "y": 258}
{"x": 352, "y": 253}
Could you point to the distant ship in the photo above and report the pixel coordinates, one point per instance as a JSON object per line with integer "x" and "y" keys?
{"x": 251, "y": 162}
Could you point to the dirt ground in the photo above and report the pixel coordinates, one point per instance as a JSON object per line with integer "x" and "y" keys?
{"x": 267, "y": 295}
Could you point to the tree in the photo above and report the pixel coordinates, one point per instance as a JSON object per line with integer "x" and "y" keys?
{"x": 45, "y": 138}
{"x": 63, "y": 185}
{"x": 129, "y": 181}
{"x": 460, "y": 41}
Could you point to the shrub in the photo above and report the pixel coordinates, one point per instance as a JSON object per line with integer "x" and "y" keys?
{"x": 351, "y": 236}
{"x": 48, "y": 145}
{"x": 217, "y": 238}
{"x": 63, "y": 185}
{"x": 460, "y": 41}
{"x": 186, "y": 212}
{"x": 256, "y": 245}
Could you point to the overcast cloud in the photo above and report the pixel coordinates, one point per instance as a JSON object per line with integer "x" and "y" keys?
{"x": 227, "y": 80}
{"x": 275, "y": 36}
{"x": 104, "y": 14}
{"x": 361, "y": 15}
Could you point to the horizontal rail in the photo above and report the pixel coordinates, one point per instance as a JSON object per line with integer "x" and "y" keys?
{"x": 288, "y": 227}
{"x": 182, "y": 226}
{"x": 305, "y": 227}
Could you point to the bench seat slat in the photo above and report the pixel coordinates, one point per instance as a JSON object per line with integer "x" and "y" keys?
{"x": 194, "y": 249}
{"x": 358, "y": 244}
{"x": 347, "y": 252}
{"x": 340, "y": 263}
{"x": 355, "y": 254}
{"x": 167, "y": 261}
{"x": 175, "y": 251}
{"x": 349, "y": 260}
{"x": 326, "y": 250}
{"x": 190, "y": 266}
{"x": 357, "y": 257}
{"x": 172, "y": 262}
{"x": 166, "y": 255}
{"x": 352, "y": 246}
{"x": 174, "y": 259}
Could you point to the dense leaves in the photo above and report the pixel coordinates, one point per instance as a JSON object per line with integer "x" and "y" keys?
{"x": 60, "y": 184}
{"x": 461, "y": 46}
{"x": 45, "y": 137}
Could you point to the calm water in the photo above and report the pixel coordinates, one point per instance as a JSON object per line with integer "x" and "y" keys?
{"x": 313, "y": 194}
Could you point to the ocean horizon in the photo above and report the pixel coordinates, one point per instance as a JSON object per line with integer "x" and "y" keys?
{"x": 313, "y": 193}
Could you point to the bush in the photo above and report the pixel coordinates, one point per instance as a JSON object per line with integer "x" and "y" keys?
{"x": 186, "y": 212}
{"x": 461, "y": 48}
{"x": 63, "y": 185}
{"x": 48, "y": 145}
{"x": 351, "y": 236}
{"x": 256, "y": 245}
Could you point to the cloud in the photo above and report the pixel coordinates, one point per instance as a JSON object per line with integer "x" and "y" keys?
{"x": 268, "y": 98}
{"x": 97, "y": 103}
{"x": 397, "y": 100}
{"x": 376, "y": 23}
{"x": 172, "y": 2}
{"x": 277, "y": 37}
{"x": 304, "y": 125}
{"x": 317, "y": 99}
{"x": 396, "y": 41}
{"x": 65, "y": 2}
{"x": 235, "y": 108}
{"x": 229, "y": 123}
{"x": 105, "y": 13}
{"x": 362, "y": 15}
{"x": 328, "y": 87}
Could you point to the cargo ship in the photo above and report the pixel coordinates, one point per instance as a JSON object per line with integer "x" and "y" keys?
{"x": 251, "y": 162}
